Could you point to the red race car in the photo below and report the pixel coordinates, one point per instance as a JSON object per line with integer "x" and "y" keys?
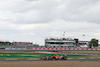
{"x": 55, "y": 57}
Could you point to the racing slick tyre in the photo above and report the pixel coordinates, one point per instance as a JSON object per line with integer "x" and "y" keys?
{"x": 41, "y": 58}
{"x": 44, "y": 59}
{"x": 65, "y": 57}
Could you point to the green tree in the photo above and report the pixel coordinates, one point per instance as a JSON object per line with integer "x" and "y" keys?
{"x": 93, "y": 42}
{"x": 36, "y": 45}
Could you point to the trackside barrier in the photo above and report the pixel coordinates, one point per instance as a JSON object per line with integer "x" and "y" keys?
{"x": 41, "y": 48}
{"x": 94, "y": 49}
{"x": 71, "y": 48}
{"x": 62, "y": 48}
{"x": 58, "y": 48}
{"x": 50, "y": 48}
{"x": 84, "y": 48}
{"x": 45, "y": 48}
{"x": 80, "y": 49}
{"x": 37, "y": 48}
{"x": 54, "y": 48}
{"x": 89, "y": 49}
{"x": 98, "y": 48}
{"x": 19, "y": 48}
{"x": 24, "y": 48}
{"x": 15, "y": 48}
{"x": 75, "y": 48}
{"x": 6, "y": 48}
{"x": 66, "y": 48}
{"x": 33, "y": 49}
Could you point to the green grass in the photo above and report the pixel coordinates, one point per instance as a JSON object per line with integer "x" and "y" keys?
{"x": 24, "y": 55}
{"x": 37, "y": 55}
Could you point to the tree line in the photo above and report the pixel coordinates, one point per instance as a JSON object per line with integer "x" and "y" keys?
{"x": 93, "y": 43}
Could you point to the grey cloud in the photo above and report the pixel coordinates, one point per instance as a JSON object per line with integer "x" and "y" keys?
{"x": 45, "y": 11}
{"x": 29, "y": 20}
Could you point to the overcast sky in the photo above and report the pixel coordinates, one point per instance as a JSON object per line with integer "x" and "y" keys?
{"x": 35, "y": 20}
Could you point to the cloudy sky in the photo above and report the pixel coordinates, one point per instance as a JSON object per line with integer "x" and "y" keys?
{"x": 35, "y": 20}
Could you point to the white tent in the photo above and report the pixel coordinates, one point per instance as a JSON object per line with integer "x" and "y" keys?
{"x": 84, "y": 46}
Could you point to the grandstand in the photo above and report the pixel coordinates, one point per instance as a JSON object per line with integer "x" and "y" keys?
{"x": 65, "y": 43}
{"x": 60, "y": 42}
{"x": 5, "y": 44}
{"x": 22, "y": 44}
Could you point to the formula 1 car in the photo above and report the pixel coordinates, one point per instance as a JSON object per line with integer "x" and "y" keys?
{"x": 55, "y": 57}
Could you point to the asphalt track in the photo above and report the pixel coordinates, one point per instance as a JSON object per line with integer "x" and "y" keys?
{"x": 69, "y": 59}
{"x": 95, "y": 54}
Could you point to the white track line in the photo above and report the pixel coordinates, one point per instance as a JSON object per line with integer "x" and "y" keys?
{"x": 11, "y": 59}
{"x": 70, "y": 58}
{"x": 81, "y": 58}
{"x": 30, "y": 59}
{"x": 76, "y": 53}
{"x": 92, "y": 58}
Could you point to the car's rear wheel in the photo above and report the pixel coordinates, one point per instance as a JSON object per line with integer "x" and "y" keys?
{"x": 65, "y": 57}
{"x": 44, "y": 59}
